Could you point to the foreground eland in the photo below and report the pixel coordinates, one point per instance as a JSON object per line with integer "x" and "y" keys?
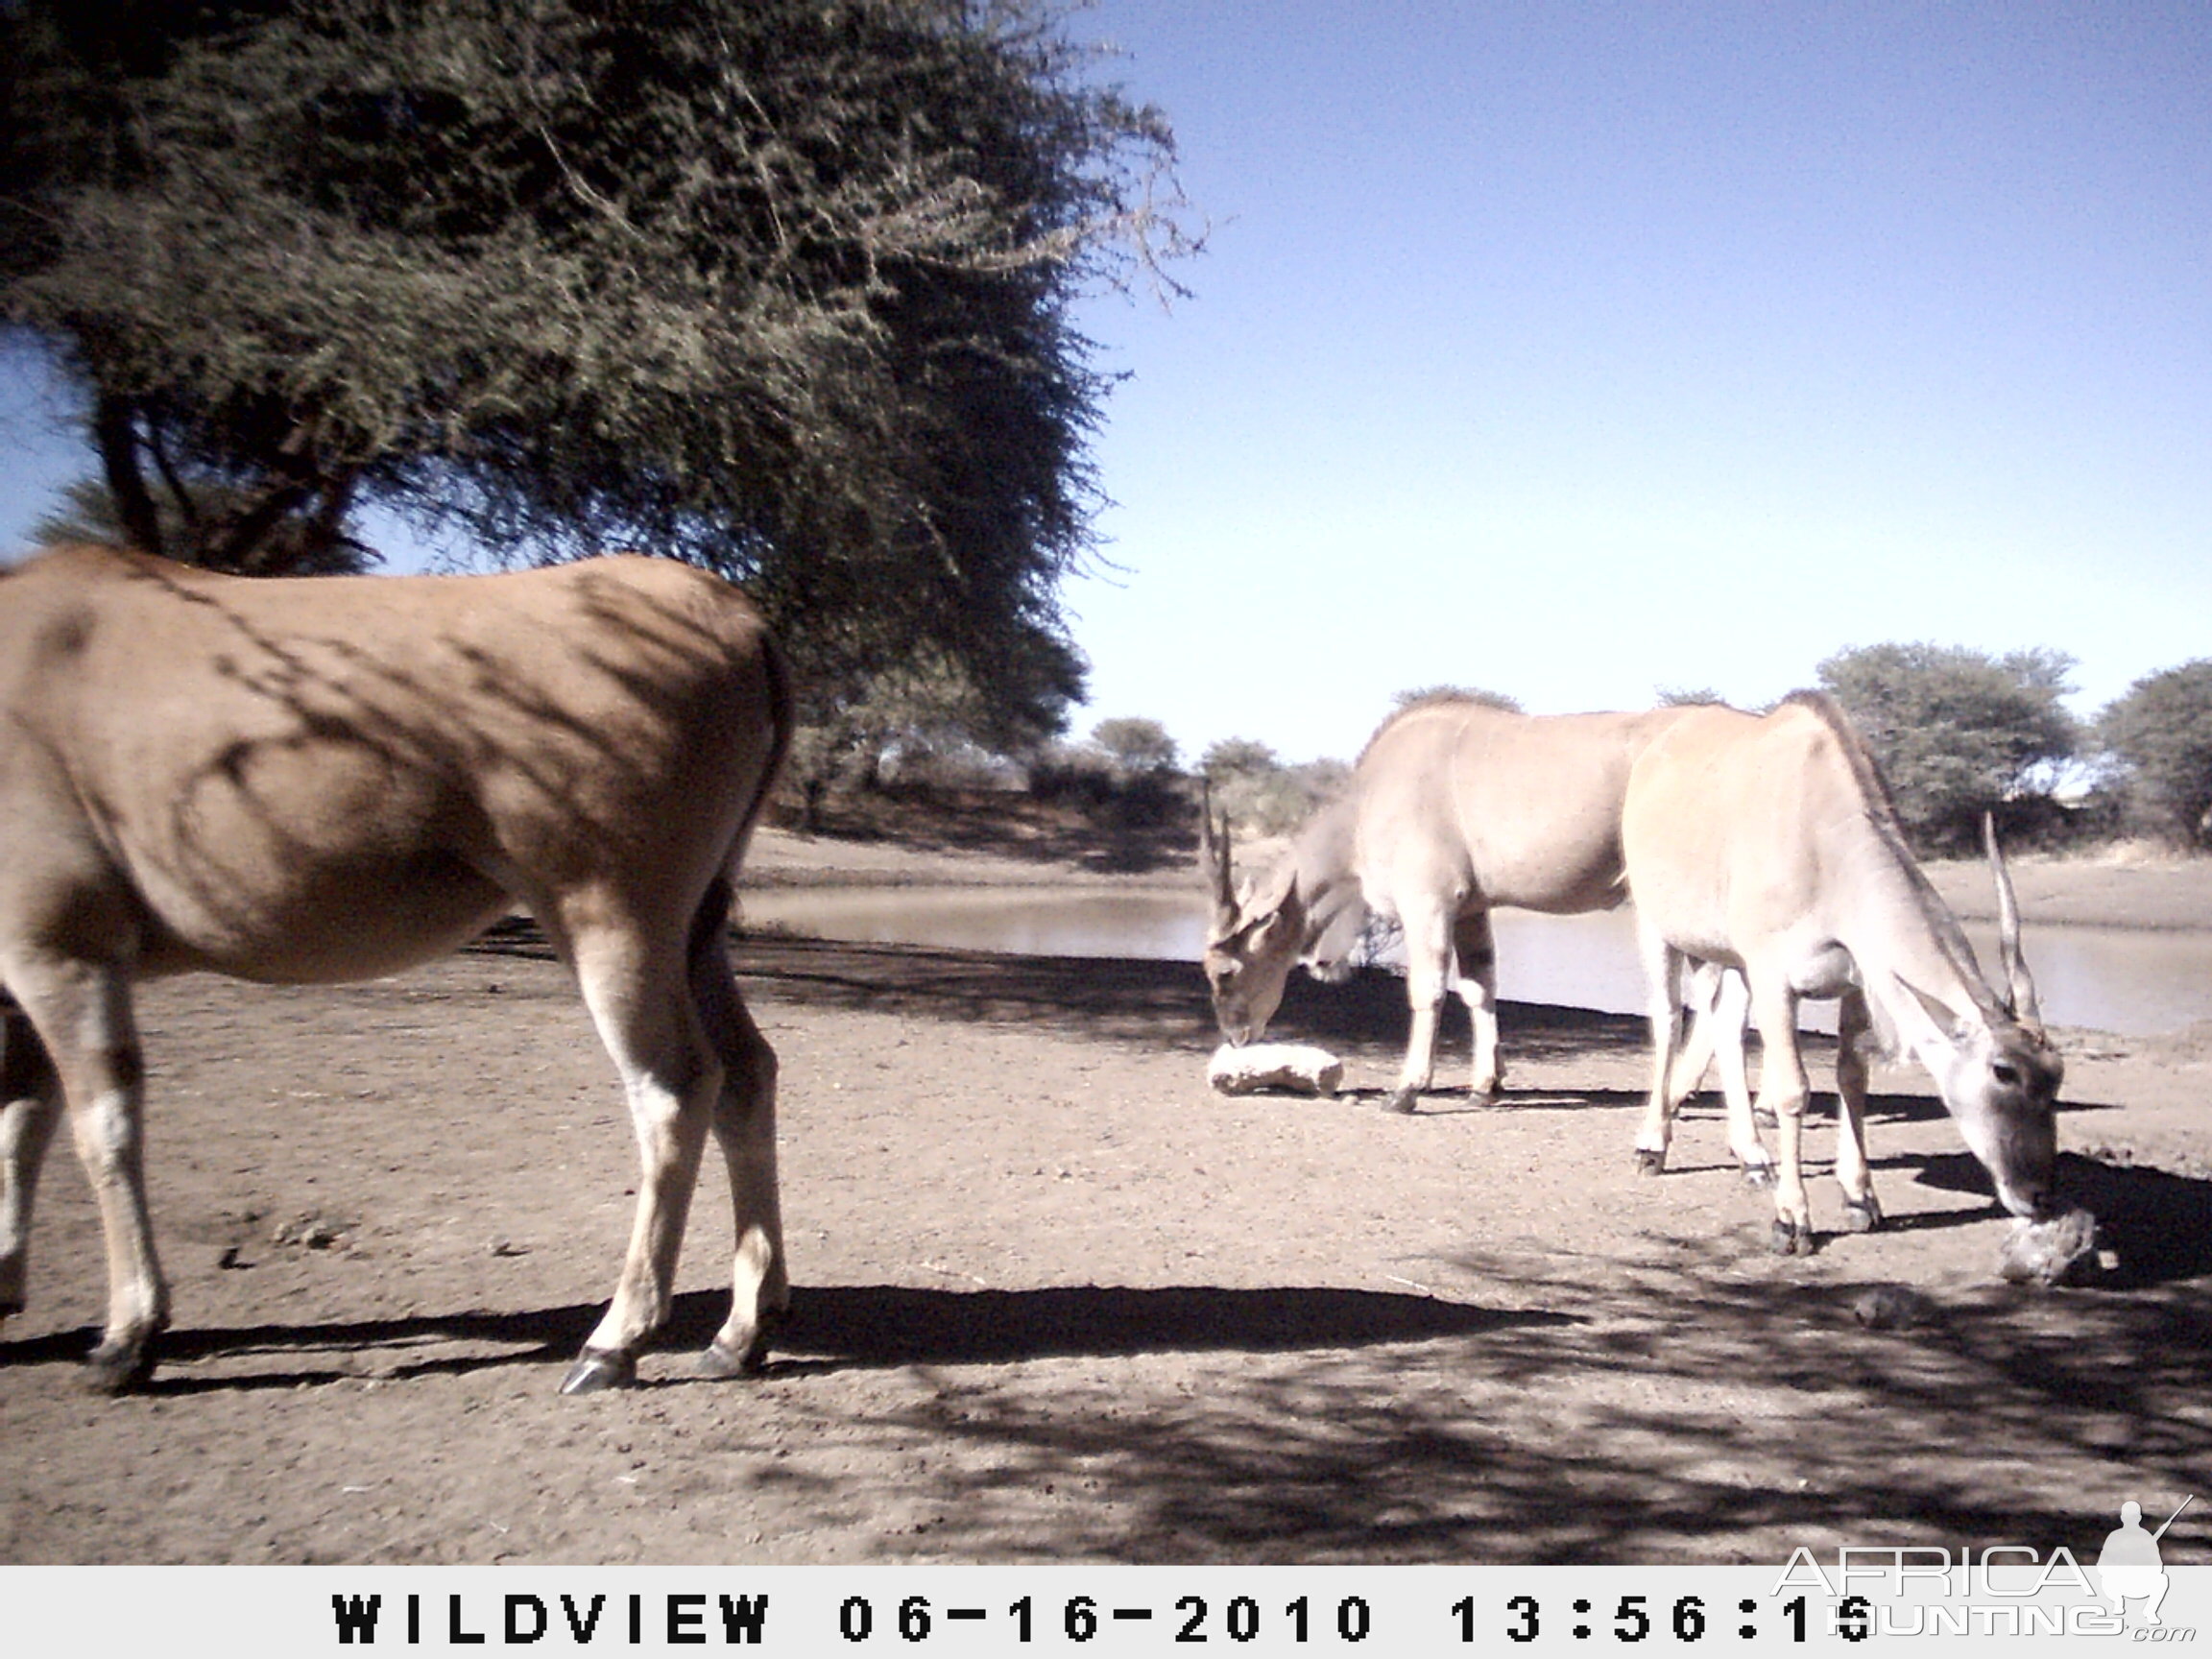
{"x": 1769, "y": 843}
{"x": 1454, "y": 807}
{"x": 329, "y": 779}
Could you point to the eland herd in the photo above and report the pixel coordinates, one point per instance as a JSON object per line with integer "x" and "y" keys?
{"x": 318, "y": 779}
{"x": 1762, "y": 854}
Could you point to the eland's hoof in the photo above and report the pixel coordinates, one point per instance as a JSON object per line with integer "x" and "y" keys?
{"x": 1791, "y": 1239}
{"x": 1759, "y": 1176}
{"x": 596, "y": 1369}
{"x": 119, "y": 1367}
{"x": 747, "y": 1356}
{"x": 1650, "y": 1163}
{"x": 1861, "y": 1217}
{"x": 1402, "y": 1101}
{"x": 718, "y": 1361}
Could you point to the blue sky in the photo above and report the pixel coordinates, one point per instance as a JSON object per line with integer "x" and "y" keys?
{"x": 1578, "y": 350}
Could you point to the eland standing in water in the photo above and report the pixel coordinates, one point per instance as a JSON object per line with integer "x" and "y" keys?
{"x": 330, "y": 779}
{"x": 1770, "y": 845}
{"x": 1455, "y": 807}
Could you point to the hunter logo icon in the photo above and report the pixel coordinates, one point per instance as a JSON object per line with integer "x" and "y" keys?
{"x": 2130, "y": 1567}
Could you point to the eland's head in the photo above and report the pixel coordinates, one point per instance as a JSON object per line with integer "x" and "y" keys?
{"x": 1252, "y": 941}
{"x": 1999, "y": 1071}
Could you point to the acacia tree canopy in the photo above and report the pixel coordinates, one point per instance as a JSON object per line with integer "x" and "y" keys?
{"x": 778, "y": 286}
{"x": 1135, "y": 745}
{"x": 2162, "y": 729}
{"x": 1957, "y": 731}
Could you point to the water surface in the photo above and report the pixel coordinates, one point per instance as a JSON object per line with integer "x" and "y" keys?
{"x": 2107, "y": 979}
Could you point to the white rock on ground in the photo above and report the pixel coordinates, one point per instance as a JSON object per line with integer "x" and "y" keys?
{"x": 1287, "y": 1067}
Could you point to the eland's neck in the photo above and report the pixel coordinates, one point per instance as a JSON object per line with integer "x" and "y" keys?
{"x": 1321, "y": 855}
{"x": 1900, "y": 933}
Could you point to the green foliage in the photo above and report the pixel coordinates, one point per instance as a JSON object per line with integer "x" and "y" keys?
{"x": 927, "y": 706}
{"x": 1455, "y": 694}
{"x": 1689, "y": 697}
{"x": 1133, "y": 746}
{"x": 1957, "y": 731}
{"x": 1231, "y": 758}
{"x": 1259, "y": 793}
{"x": 2162, "y": 729}
{"x": 778, "y": 286}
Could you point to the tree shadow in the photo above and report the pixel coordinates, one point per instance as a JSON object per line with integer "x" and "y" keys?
{"x": 1689, "y": 1413}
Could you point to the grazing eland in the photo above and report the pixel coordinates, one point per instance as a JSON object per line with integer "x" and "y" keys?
{"x": 318, "y": 780}
{"x": 1770, "y": 845}
{"x": 1454, "y": 807}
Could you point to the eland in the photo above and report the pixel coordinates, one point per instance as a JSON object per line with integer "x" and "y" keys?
{"x": 1454, "y": 807}
{"x": 1770, "y": 845}
{"x": 318, "y": 780}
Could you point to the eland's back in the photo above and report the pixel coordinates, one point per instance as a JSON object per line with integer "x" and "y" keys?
{"x": 328, "y": 777}
{"x": 1504, "y": 808}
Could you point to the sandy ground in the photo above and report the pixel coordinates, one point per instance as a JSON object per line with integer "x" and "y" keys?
{"x": 1056, "y": 1300}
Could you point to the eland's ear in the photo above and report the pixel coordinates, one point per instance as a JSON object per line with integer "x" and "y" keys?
{"x": 1273, "y": 892}
{"x": 1949, "y": 1021}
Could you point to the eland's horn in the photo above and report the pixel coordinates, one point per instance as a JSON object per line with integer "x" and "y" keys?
{"x": 1213, "y": 850}
{"x": 2020, "y": 984}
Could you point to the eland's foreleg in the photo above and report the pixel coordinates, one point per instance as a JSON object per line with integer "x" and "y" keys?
{"x": 81, "y": 1014}
{"x": 1663, "y": 978}
{"x": 1474, "y": 979}
{"x": 1782, "y": 1091}
{"x": 1428, "y": 972}
{"x": 745, "y": 1129}
{"x": 1854, "y": 1172}
{"x": 634, "y": 982}
{"x": 30, "y": 1107}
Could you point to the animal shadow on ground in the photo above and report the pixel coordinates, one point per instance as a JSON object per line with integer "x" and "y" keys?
{"x": 1152, "y": 1003}
{"x": 835, "y": 1328}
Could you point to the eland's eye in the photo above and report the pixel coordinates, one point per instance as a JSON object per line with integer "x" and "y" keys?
{"x": 2006, "y": 1073}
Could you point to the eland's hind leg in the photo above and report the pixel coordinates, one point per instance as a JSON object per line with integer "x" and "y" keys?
{"x": 81, "y": 1014}
{"x": 30, "y": 1107}
{"x": 1663, "y": 974}
{"x": 1428, "y": 971}
{"x": 1728, "y": 1016}
{"x": 745, "y": 1129}
{"x": 1782, "y": 1089}
{"x": 634, "y": 984}
{"x": 1474, "y": 978}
